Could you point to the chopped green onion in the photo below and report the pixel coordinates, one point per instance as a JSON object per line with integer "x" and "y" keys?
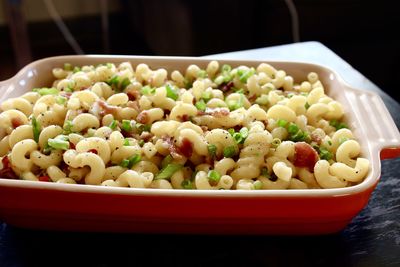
{"x": 276, "y": 142}
{"x": 58, "y": 143}
{"x": 109, "y": 65}
{"x": 258, "y": 185}
{"x": 206, "y": 96}
{"x": 70, "y": 87}
{"x": 46, "y": 91}
{"x": 188, "y": 83}
{"x": 36, "y": 129}
{"x": 290, "y": 95}
{"x": 171, "y": 92}
{"x": 130, "y": 162}
{"x": 113, "y": 81}
{"x": 142, "y": 127}
{"x": 147, "y": 90}
{"x": 168, "y": 171}
{"x": 125, "y": 82}
{"x": 124, "y": 163}
{"x": 330, "y": 142}
{"x": 342, "y": 140}
{"x": 113, "y": 125}
{"x": 187, "y": 184}
{"x": 76, "y": 69}
{"x": 141, "y": 143}
{"x": 325, "y": 153}
{"x": 281, "y": 123}
{"x": 238, "y": 138}
{"x": 226, "y": 68}
{"x": 262, "y": 100}
{"x": 126, "y": 142}
{"x": 306, "y": 105}
{"x": 212, "y": 150}
{"x": 337, "y": 124}
{"x": 68, "y": 67}
{"x": 201, "y": 74}
{"x": 229, "y": 151}
{"x": 231, "y": 131}
{"x": 201, "y": 105}
{"x": 68, "y": 126}
{"x": 233, "y": 105}
{"x": 239, "y": 91}
{"x": 244, "y": 132}
{"x": 292, "y": 128}
{"x": 167, "y": 160}
{"x": 227, "y": 78}
{"x": 219, "y": 80}
{"x": 214, "y": 176}
{"x": 133, "y": 160}
{"x": 61, "y": 100}
{"x": 126, "y": 125}
{"x": 299, "y": 136}
{"x": 265, "y": 173}
{"x": 245, "y": 75}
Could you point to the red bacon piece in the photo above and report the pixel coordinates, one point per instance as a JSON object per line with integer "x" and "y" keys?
{"x": 16, "y": 122}
{"x": 107, "y": 109}
{"x": 143, "y": 117}
{"x": 7, "y": 171}
{"x": 186, "y": 148}
{"x": 44, "y": 178}
{"x": 305, "y": 155}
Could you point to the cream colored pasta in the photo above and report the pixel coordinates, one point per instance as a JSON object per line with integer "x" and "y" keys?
{"x": 207, "y": 127}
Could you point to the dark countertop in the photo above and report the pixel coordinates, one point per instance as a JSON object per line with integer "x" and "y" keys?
{"x": 371, "y": 239}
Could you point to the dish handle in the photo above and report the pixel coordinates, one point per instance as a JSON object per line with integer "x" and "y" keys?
{"x": 381, "y": 130}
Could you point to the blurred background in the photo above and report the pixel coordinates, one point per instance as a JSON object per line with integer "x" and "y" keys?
{"x": 364, "y": 33}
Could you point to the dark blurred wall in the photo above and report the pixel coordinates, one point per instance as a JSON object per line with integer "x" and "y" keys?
{"x": 364, "y": 33}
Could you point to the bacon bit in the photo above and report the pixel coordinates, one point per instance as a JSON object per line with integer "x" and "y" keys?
{"x": 133, "y": 104}
{"x": 186, "y": 148}
{"x": 6, "y": 162}
{"x": 316, "y": 138}
{"x": 71, "y": 145}
{"x": 16, "y": 122}
{"x": 7, "y": 171}
{"x": 143, "y": 117}
{"x": 252, "y": 98}
{"x": 146, "y": 136}
{"x": 184, "y": 117}
{"x": 93, "y": 151}
{"x": 171, "y": 146}
{"x": 107, "y": 109}
{"x": 216, "y": 112}
{"x": 44, "y": 178}
{"x": 226, "y": 87}
{"x": 173, "y": 149}
{"x": 220, "y": 112}
{"x": 133, "y": 94}
{"x": 305, "y": 155}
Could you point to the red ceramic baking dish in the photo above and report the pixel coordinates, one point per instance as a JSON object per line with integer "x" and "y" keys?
{"x": 56, "y": 206}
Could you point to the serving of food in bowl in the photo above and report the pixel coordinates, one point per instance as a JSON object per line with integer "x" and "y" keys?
{"x": 162, "y": 144}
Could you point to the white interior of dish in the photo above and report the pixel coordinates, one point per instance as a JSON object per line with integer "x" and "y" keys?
{"x": 39, "y": 74}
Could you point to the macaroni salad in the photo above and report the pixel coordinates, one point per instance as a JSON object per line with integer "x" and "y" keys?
{"x": 216, "y": 128}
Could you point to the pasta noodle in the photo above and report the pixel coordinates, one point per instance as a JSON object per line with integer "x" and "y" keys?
{"x": 217, "y": 128}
